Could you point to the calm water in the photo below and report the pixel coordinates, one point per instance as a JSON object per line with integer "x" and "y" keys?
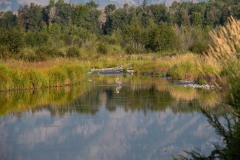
{"x": 144, "y": 118}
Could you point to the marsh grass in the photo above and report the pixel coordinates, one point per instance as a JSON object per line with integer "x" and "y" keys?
{"x": 224, "y": 53}
{"x": 40, "y": 75}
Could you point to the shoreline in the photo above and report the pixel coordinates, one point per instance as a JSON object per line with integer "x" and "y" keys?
{"x": 20, "y": 75}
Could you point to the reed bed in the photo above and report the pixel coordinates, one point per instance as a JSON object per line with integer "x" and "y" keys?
{"x": 18, "y": 75}
{"x": 224, "y": 52}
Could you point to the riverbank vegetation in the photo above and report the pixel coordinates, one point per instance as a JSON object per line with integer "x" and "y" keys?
{"x": 16, "y": 75}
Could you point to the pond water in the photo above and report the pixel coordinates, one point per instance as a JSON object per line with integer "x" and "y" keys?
{"x": 142, "y": 118}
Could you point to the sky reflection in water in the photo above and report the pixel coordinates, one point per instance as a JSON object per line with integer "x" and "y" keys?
{"x": 142, "y": 121}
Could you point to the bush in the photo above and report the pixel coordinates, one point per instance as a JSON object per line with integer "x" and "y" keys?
{"x": 185, "y": 70}
{"x": 35, "y": 39}
{"x": 4, "y": 53}
{"x": 102, "y": 48}
{"x": 12, "y": 40}
{"x": 163, "y": 38}
{"x": 73, "y": 40}
{"x": 199, "y": 47}
{"x": 73, "y": 52}
{"x": 130, "y": 49}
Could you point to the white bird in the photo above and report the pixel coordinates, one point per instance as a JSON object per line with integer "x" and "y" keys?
{"x": 118, "y": 82}
{"x": 118, "y": 88}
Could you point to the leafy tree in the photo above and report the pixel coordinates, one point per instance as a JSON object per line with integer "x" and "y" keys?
{"x": 213, "y": 13}
{"x": 12, "y": 39}
{"x": 197, "y": 19}
{"x": 92, "y": 4}
{"x": 144, "y": 4}
{"x": 159, "y": 12}
{"x": 32, "y": 16}
{"x": 8, "y": 19}
{"x": 109, "y": 9}
{"x": 163, "y": 37}
{"x": 134, "y": 37}
{"x": 63, "y": 12}
{"x": 36, "y": 39}
{"x": 118, "y": 19}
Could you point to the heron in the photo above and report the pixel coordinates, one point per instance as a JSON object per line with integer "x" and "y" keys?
{"x": 118, "y": 82}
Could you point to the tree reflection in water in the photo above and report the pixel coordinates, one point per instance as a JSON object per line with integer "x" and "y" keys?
{"x": 229, "y": 131}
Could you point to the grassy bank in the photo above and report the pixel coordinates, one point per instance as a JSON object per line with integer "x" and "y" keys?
{"x": 18, "y": 75}
{"x": 188, "y": 66}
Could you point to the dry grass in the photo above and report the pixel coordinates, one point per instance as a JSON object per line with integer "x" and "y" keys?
{"x": 225, "y": 53}
{"x": 226, "y": 42}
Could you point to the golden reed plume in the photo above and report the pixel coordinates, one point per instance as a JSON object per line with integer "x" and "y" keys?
{"x": 226, "y": 42}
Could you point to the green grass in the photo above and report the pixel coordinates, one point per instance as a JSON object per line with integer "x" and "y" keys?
{"x": 13, "y": 78}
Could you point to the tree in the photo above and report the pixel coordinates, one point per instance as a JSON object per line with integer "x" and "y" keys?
{"x": 197, "y": 19}
{"x": 92, "y": 4}
{"x": 162, "y": 38}
{"x": 159, "y": 12}
{"x": 109, "y": 9}
{"x": 144, "y": 4}
{"x": 118, "y": 19}
{"x": 51, "y": 3}
{"x": 134, "y": 37}
{"x": 63, "y": 12}
{"x": 8, "y": 19}
{"x": 32, "y": 16}
{"x": 12, "y": 39}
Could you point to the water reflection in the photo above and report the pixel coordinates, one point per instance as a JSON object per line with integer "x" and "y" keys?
{"x": 147, "y": 119}
{"x": 228, "y": 128}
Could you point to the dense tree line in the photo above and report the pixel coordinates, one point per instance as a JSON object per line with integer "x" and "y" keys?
{"x": 62, "y": 29}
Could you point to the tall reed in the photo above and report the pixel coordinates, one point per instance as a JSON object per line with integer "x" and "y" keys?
{"x": 18, "y": 78}
{"x": 224, "y": 52}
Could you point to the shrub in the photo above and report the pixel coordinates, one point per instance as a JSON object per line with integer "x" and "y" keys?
{"x": 163, "y": 38}
{"x": 4, "y": 53}
{"x": 185, "y": 70}
{"x": 35, "y": 39}
{"x": 73, "y": 52}
{"x": 102, "y": 48}
{"x": 199, "y": 47}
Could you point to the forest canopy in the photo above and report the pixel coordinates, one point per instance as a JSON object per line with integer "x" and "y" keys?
{"x": 38, "y": 33}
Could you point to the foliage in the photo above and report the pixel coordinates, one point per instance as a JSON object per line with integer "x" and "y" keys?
{"x": 11, "y": 40}
{"x": 138, "y": 29}
{"x": 35, "y": 39}
{"x": 72, "y": 52}
{"x": 223, "y": 52}
{"x": 163, "y": 37}
{"x": 102, "y": 48}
